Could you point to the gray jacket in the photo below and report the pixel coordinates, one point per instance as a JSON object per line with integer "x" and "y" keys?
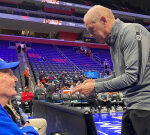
{"x": 130, "y": 76}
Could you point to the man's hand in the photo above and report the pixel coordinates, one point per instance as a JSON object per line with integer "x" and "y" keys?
{"x": 27, "y": 123}
{"x": 88, "y": 80}
{"x": 87, "y": 88}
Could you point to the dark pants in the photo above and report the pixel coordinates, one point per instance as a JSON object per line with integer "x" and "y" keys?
{"x": 107, "y": 104}
{"x": 94, "y": 103}
{"x": 26, "y": 81}
{"x": 136, "y": 122}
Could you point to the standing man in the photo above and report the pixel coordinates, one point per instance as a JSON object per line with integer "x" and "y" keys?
{"x": 75, "y": 77}
{"x": 130, "y": 52}
{"x": 26, "y": 77}
{"x": 7, "y": 90}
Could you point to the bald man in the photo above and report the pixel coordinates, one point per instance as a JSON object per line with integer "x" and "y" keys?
{"x": 130, "y": 52}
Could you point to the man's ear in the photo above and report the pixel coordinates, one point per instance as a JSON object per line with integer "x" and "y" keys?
{"x": 103, "y": 19}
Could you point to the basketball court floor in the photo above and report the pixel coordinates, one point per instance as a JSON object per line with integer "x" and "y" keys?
{"x": 108, "y": 123}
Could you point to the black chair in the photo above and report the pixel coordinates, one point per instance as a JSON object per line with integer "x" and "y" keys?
{"x": 82, "y": 97}
{"x": 41, "y": 97}
{"x": 65, "y": 96}
{"x": 56, "y": 97}
{"x": 27, "y": 106}
{"x": 74, "y": 96}
{"x": 50, "y": 90}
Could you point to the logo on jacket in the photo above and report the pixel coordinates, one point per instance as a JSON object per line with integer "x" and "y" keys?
{"x": 138, "y": 37}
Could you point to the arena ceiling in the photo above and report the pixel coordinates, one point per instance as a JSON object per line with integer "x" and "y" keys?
{"x": 37, "y": 27}
{"x": 139, "y": 5}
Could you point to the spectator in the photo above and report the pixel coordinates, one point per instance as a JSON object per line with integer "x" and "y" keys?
{"x": 78, "y": 83}
{"x": 60, "y": 84}
{"x": 106, "y": 64}
{"x": 105, "y": 102}
{"x": 72, "y": 85}
{"x": 75, "y": 77}
{"x": 50, "y": 90}
{"x": 51, "y": 77}
{"x": 93, "y": 101}
{"x": 114, "y": 96}
{"x": 26, "y": 77}
{"x": 18, "y": 47}
{"x": 46, "y": 81}
{"x": 84, "y": 78}
{"x": 67, "y": 84}
{"x": 81, "y": 77}
{"x": 26, "y": 95}
{"x": 57, "y": 88}
{"x": 88, "y": 53}
{"x": 40, "y": 92}
{"x": 7, "y": 90}
{"x": 63, "y": 76}
{"x": 43, "y": 58}
{"x": 63, "y": 87}
{"x": 81, "y": 50}
{"x": 42, "y": 77}
{"x": 24, "y": 49}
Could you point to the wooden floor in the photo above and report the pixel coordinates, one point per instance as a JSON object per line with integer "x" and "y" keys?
{"x": 108, "y": 123}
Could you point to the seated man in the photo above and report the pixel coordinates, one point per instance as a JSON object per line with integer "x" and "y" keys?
{"x": 26, "y": 98}
{"x": 26, "y": 95}
{"x": 104, "y": 102}
{"x": 51, "y": 77}
{"x": 7, "y": 90}
{"x": 114, "y": 96}
{"x": 93, "y": 102}
{"x": 50, "y": 90}
{"x": 40, "y": 92}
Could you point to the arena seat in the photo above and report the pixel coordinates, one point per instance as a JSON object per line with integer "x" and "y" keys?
{"x": 27, "y": 106}
{"x": 54, "y": 60}
{"x": 74, "y": 96}
{"x": 80, "y": 60}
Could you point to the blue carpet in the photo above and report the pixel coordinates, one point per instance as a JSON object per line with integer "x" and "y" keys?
{"x": 108, "y": 123}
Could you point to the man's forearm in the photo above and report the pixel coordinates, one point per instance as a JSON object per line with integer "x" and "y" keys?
{"x": 104, "y": 79}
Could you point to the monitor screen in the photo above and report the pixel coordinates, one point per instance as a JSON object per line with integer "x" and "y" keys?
{"x": 91, "y": 74}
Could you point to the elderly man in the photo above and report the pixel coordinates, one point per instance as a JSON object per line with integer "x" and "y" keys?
{"x": 7, "y": 90}
{"x": 130, "y": 52}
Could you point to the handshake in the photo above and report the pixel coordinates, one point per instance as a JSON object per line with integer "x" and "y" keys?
{"x": 86, "y": 88}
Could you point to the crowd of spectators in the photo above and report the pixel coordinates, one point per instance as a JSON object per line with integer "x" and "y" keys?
{"x": 61, "y": 82}
{"x": 47, "y": 86}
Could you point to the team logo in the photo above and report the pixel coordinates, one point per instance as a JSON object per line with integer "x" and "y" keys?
{"x": 138, "y": 37}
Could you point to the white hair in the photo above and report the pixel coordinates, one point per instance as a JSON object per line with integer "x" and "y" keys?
{"x": 96, "y": 12}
